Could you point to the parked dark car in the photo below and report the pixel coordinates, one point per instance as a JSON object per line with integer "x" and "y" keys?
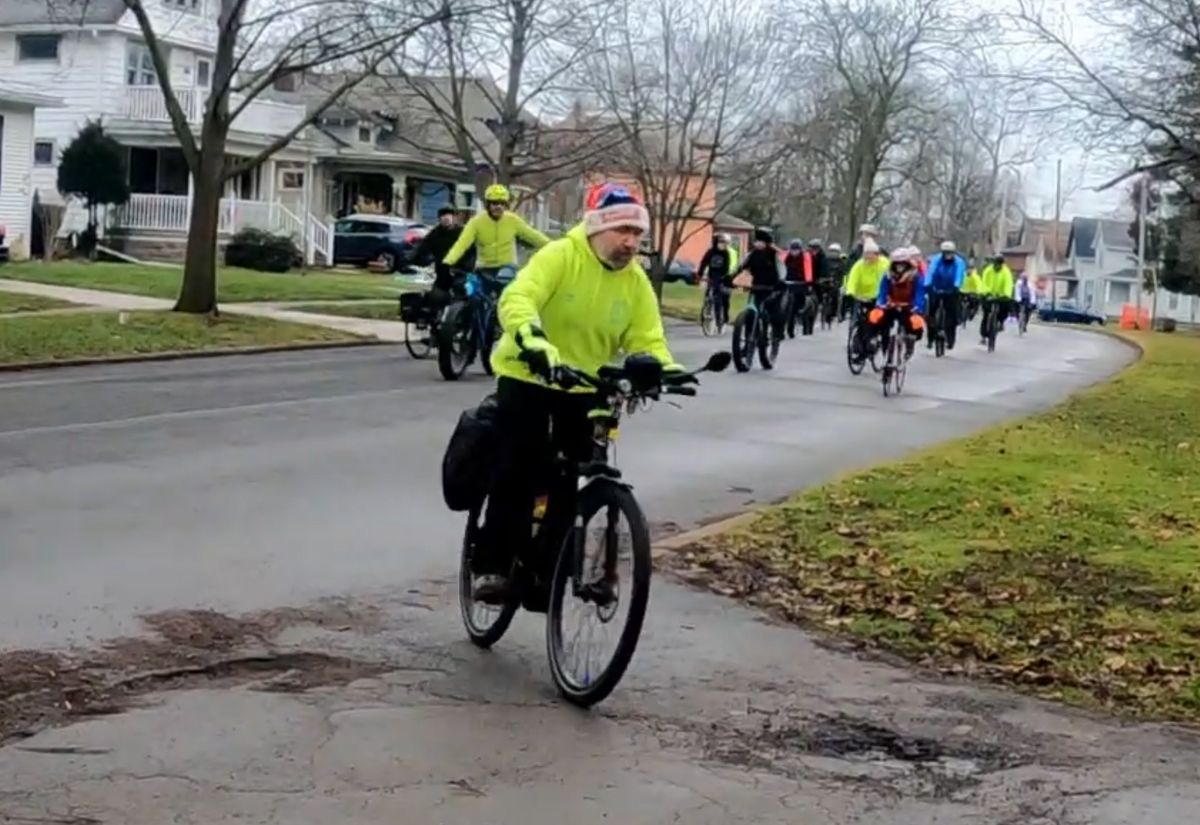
{"x": 360, "y": 239}
{"x": 1068, "y": 313}
{"x": 681, "y": 271}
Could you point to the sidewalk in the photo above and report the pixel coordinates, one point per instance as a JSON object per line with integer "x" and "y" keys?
{"x": 100, "y": 299}
{"x": 88, "y": 297}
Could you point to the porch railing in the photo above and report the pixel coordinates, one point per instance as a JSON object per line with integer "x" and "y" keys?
{"x": 146, "y": 103}
{"x": 172, "y": 213}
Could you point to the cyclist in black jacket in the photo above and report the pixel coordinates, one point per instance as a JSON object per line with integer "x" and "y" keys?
{"x": 717, "y": 266}
{"x": 436, "y": 243}
{"x": 766, "y": 270}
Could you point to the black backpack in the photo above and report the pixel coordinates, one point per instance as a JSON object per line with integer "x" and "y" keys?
{"x": 470, "y": 456}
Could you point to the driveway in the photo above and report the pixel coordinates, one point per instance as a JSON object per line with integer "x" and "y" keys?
{"x": 252, "y": 484}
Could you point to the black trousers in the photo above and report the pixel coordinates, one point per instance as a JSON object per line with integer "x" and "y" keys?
{"x": 952, "y": 302}
{"x": 1003, "y": 308}
{"x": 536, "y": 423}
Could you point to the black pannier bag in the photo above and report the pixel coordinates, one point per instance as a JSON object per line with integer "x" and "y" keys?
{"x": 470, "y": 456}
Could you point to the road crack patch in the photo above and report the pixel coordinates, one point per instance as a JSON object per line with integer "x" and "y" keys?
{"x": 188, "y": 649}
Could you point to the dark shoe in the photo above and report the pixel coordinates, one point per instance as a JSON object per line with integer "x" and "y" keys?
{"x": 490, "y": 589}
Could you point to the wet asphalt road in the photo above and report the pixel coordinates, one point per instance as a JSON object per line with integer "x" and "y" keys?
{"x": 259, "y": 482}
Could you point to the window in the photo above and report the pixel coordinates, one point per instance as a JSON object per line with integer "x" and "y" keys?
{"x": 291, "y": 176}
{"x": 38, "y": 46}
{"x": 185, "y": 5}
{"x": 43, "y": 153}
{"x": 203, "y": 73}
{"x": 1173, "y": 300}
{"x": 364, "y": 134}
{"x": 286, "y": 83}
{"x": 139, "y": 66}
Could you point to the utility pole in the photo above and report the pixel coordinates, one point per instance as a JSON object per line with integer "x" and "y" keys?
{"x": 1057, "y": 222}
{"x": 1143, "y": 205}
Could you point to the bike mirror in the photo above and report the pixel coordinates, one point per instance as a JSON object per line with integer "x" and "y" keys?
{"x": 718, "y": 362}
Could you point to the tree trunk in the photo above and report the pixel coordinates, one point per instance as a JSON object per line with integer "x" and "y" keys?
{"x": 199, "y": 291}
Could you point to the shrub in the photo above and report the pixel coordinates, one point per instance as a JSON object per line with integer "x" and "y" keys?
{"x": 263, "y": 251}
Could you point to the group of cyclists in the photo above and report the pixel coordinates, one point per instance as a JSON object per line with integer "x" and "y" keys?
{"x": 873, "y": 288}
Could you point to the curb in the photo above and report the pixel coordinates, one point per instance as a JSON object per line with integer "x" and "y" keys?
{"x": 181, "y": 355}
{"x": 679, "y": 541}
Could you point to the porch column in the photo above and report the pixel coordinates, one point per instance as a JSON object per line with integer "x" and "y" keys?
{"x": 272, "y": 173}
{"x": 399, "y": 190}
{"x": 310, "y": 254}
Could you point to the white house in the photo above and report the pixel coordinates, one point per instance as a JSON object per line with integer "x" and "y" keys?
{"x": 1103, "y": 273}
{"x": 94, "y": 58}
{"x": 17, "y": 106}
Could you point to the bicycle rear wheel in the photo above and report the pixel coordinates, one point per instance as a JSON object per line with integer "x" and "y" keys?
{"x": 598, "y": 582}
{"x": 418, "y": 341}
{"x": 939, "y": 331}
{"x": 491, "y": 335}
{"x": 993, "y": 319}
{"x": 485, "y": 623}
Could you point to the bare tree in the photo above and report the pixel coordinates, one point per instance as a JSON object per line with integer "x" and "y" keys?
{"x": 256, "y": 46}
{"x": 691, "y": 91}
{"x": 480, "y": 90}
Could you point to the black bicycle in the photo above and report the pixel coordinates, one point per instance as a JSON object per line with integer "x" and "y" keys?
{"x": 991, "y": 323}
{"x": 828, "y": 310}
{"x": 468, "y": 327}
{"x": 712, "y": 311}
{"x": 419, "y": 317}
{"x": 938, "y": 330}
{"x": 753, "y": 330}
{"x": 570, "y": 562}
{"x": 1026, "y": 314}
{"x": 899, "y": 352}
{"x": 860, "y": 344}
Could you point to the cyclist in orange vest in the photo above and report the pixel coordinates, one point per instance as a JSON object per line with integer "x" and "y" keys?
{"x": 798, "y": 268}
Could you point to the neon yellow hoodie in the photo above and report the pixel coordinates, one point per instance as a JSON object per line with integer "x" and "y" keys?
{"x": 863, "y": 281}
{"x": 998, "y": 281}
{"x": 973, "y": 285}
{"x": 496, "y": 239}
{"x": 589, "y": 312}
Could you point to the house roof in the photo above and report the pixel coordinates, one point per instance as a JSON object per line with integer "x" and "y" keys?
{"x": 24, "y": 94}
{"x": 1086, "y": 233}
{"x": 67, "y": 12}
{"x": 726, "y": 221}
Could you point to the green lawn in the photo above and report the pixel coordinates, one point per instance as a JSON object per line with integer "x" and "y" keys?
{"x": 1060, "y": 554}
{"x": 682, "y": 301}
{"x": 98, "y": 334}
{"x": 11, "y": 302}
{"x": 375, "y": 310}
{"x": 233, "y": 285}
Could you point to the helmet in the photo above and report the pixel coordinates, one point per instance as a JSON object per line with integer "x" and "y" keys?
{"x": 816, "y": 243}
{"x": 722, "y": 237}
{"x": 903, "y": 255}
{"x": 948, "y": 246}
{"x": 868, "y": 229}
{"x": 914, "y": 252}
{"x": 497, "y": 193}
{"x": 999, "y": 256}
{"x": 870, "y": 247}
{"x": 764, "y": 235}
{"x": 835, "y": 248}
{"x": 795, "y": 244}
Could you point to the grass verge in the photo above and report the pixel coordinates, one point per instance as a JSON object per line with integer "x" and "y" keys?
{"x": 233, "y": 285}
{"x": 1060, "y": 554}
{"x": 13, "y": 302}
{"x": 683, "y": 302}
{"x": 101, "y": 334}
{"x": 375, "y": 310}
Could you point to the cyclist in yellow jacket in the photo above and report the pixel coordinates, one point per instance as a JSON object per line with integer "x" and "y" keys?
{"x": 581, "y": 300}
{"x": 862, "y": 288}
{"x": 998, "y": 291}
{"x": 494, "y": 234}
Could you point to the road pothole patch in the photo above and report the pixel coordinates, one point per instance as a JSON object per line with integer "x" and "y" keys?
{"x": 196, "y": 648}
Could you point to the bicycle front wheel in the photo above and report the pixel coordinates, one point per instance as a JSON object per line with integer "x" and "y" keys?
{"x": 743, "y": 341}
{"x": 456, "y": 341}
{"x": 708, "y": 317}
{"x": 601, "y": 587}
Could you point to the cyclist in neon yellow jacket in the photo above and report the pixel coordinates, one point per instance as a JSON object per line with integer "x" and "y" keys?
{"x": 862, "y": 288}
{"x": 998, "y": 290}
{"x": 581, "y": 300}
{"x": 494, "y": 233}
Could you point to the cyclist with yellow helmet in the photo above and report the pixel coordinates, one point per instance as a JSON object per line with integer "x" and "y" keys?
{"x": 494, "y": 234}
